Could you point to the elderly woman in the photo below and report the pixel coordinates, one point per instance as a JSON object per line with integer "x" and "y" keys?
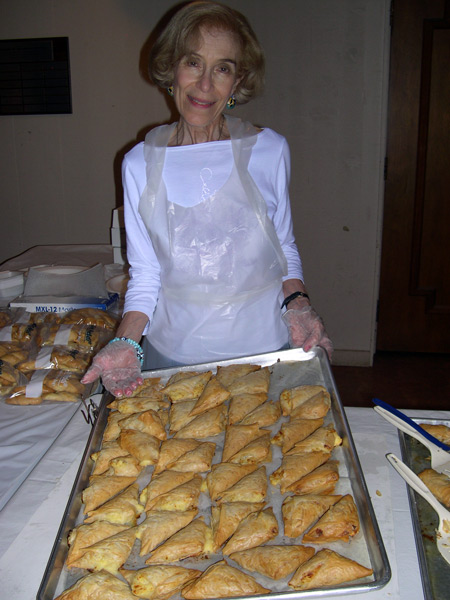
{"x": 214, "y": 269}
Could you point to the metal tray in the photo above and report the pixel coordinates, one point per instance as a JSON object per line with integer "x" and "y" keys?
{"x": 434, "y": 569}
{"x": 288, "y": 369}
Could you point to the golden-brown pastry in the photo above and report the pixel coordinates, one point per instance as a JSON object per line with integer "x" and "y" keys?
{"x": 102, "y": 488}
{"x": 123, "y": 509}
{"x": 265, "y": 415}
{"x": 340, "y": 522}
{"x": 243, "y": 404}
{"x": 440, "y": 432}
{"x": 224, "y": 475}
{"x": 255, "y": 529}
{"x": 57, "y": 357}
{"x": 254, "y": 453}
{"x": 87, "y": 338}
{"x": 300, "y": 512}
{"x": 327, "y": 568}
{"x": 188, "y": 387}
{"x": 275, "y": 562}
{"x": 87, "y": 534}
{"x": 112, "y": 429}
{"x": 180, "y": 415}
{"x": 9, "y": 378}
{"x": 90, "y": 316}
{"x": 160, "y": 525}
{"x": 197, "y": 460}
{"x": 438, "y": 484}
{"x": 148, "y": 421}
{"x": 192, "y": 541}
{"x": 171, "y": 450}
{"x": 213, "y": 395}
{"x": 179, "y": 375}
{"x": 221, "y": 580}
{"x": 150, "y": 388}
{"x": 143, "y": 446}
{"x": 323, "y": 439}
{"x": 208, "y": 424}
{"x": 161, "y": 484}
{"x": 293, "y": 397}
{"x": 237, "y": 437}
{"x": 295, "y": 467}
{"x": 13, "y": 353}
{"x": 229, "y": 373}
{"x": 98, "y": 586}
{"x": 250, "y": 488}
{"x": 108, "y": 554}
{"x": 253, "y": 383}
{"x": 158, "y": 582}
{"x": 125, "y": 466}
{"x": 135, "y": 404}
{"x": 294, "y": 431}
{"x": 314, "y": 408}
{"x": 320, "y": 481}
{"x": 183, "y": 497}
{"x": 226, "y": 518}
{"x": 50, "y": 384}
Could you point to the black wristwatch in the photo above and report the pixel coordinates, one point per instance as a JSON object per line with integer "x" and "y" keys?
{"x": 293, "y": 297}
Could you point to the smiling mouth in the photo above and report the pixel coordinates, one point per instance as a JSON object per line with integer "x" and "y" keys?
{"x": 201, "y": 103}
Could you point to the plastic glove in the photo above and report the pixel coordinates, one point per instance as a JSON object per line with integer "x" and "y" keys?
{"x": 118, "y": 366}
{"x": 306, "y": 329}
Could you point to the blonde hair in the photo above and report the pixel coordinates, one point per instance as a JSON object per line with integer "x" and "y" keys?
{"x": 183, "y": 30}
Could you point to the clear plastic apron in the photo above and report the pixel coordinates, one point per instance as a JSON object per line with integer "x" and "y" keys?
{"x": 221, "y": 261}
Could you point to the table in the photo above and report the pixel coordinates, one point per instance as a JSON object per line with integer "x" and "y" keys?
{"x": 30, "y": 520}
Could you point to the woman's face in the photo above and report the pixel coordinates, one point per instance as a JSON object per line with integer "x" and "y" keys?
{"x": 206, "y": 78}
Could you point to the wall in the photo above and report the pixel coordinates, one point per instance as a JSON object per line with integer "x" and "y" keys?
{"x": 327, "y": 63}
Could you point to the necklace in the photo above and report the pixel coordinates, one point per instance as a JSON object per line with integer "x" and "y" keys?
{"x": 180, "y": 133}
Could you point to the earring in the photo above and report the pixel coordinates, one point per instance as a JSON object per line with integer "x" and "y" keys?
{"x": 170, "y": 90}
{"x": 231, "y": 102}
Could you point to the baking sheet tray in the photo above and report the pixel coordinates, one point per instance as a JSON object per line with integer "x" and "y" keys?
{"x": 289, "y": 368}
{"x": 434, "y": 569}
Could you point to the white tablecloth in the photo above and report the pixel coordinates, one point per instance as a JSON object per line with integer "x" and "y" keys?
{"x": 30, "y": 520}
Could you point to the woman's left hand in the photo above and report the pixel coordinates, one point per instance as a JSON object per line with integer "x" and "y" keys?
{"x": 306, "y": 329}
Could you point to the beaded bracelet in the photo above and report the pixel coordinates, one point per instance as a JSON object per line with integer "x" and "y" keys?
{"x": 136, "y": 346}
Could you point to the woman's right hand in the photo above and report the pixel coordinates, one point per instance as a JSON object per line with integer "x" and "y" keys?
{"x": 119, "y": 368}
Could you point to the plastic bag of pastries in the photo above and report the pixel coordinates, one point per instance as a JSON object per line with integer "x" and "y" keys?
{"x": 64, "y": 358}
{"x": 87, "y": 338}
{"x": 91, "y": 316}
{"x": 22, "y": 326}
{"x": 13, "y": 352}
{"x": 10, "y": 378}
{"x": 50, "y": 384}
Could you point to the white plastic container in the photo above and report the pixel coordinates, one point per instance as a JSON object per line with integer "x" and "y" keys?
{"x": 11, "y": 285}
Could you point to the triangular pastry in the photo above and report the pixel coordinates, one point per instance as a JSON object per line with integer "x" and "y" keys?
{"x": 295, "y": 467}
{"x": 293, "y": 397}
{"x": 102, "y": 458}
{"x": 102, "y": 488}
{"x": 324, "y": 439}
{"x": 226, "y": 518}
{"x": 224, "y": 475}
{"x": 314, "y": 408}
{"x": 143, "y": 446}
{"x": 221, "y": 580}
{"x": 320, "y": 481}
{"x": 438, "y": 484}
{"x": 183, "y": 497}
{"x": 87, "y": 534}
{"x": 275, "y": 562}
{"x": 179, "y": 375}
{"x": 112, "y": 429}
{"x": 188, "y": 387}
{"x": 238, "y": 436}
{"x": 300, "y": 512}
{"x": 192, "y": 541}
{"x": 158, "y": 582}
{"x": 254, "y": 453}
{"x": 125, "y": 466}
{"x": 294, "y": 431}
{"x": 327, "y": 568}
{"x": 180, "y": 415}
{"x": 250, "y": 488}
{"x": 171, "y": 450}
{"x": 148, "y": 421}
{"x": 265, "y": 415}
{"x": 150, "y": 387}
{"x": 160, "y": 525}
{"x": 243, "y": 404}
{"x": 123, "y": 509}
{"x": 213, "y": 395}
{"x": 229, "y": 373}
{"x": 208, "y": 424}
{"x": 108, "y": 554}
{"x": 255, "y": 529}
{"x": 253, "y": 383}
{"x": 130, "y": 406}
{"x": 161, "y": 484}
{"x": 197, "y": 460}
{"x": 98, "y": 586}
{"x": 339, "y": 523}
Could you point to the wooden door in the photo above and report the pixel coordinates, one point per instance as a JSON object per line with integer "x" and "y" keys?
{"x": 414, "y": 300}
